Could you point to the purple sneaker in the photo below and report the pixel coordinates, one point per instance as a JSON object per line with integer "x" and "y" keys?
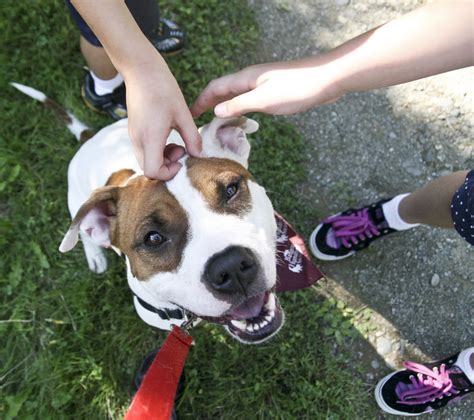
{"x": 343, "y": 234}
{"x": 423, "y": 388}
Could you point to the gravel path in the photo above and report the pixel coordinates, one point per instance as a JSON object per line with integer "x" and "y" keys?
{"x": 378, "y": 144}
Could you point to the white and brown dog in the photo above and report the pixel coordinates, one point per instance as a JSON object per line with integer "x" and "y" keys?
{"x": 202, "y": 243}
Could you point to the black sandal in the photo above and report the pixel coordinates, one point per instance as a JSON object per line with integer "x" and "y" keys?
{"x": 169, "y": 38}
{"x": 112, "y": 104}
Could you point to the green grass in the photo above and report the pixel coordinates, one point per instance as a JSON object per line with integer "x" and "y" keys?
{"x": 70, "y": 340}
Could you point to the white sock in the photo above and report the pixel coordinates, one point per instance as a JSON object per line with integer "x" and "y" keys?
{"x": 390, "y": 211}
{"x": 103, "y": 87}
{"x": 464, "y": 363}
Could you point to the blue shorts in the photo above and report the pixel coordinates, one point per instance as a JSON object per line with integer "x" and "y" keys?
{"x": 145, "y": 12}
{"x": 462, "y": 209}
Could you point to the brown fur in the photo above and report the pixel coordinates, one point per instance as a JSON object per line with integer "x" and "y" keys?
{"x": 211, "y": 177}
{"x": 86, "y": 135}
{"x": 133, "y": 211}
{"x": 120, "y": 178}
{"x": 66, "y": 119}
{"x": 58, "y": 110}
{"x": 143, "y": 206}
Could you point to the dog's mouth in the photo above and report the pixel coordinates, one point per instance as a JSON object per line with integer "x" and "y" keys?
{"x": 253, "y": 321}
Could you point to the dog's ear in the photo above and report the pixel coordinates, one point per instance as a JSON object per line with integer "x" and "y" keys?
{"x": 226, "y": 138}
{"x": 94, "y": 219}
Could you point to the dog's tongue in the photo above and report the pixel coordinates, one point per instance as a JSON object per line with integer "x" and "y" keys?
{"x": 249, "y": 309}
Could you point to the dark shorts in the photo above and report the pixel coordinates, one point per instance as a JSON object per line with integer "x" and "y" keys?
{"x": 462, "y": 209}
{"x": 145, "y": 12}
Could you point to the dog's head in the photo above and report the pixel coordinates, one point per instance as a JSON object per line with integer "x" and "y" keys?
{"x": 204, "y": 241}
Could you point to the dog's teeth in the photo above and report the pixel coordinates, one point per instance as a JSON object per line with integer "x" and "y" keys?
{"x": 271, "y": 314}
{"x": 271, "y": 302}
{"x": 250, "y": 328}
{"x": 256, "y": 327}
{"x": 268, "y": 318}
{"x": 241, "y": 325}
{"x": 263, "y": 323}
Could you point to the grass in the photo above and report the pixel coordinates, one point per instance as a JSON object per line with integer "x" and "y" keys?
{"x": 70, "y": 339}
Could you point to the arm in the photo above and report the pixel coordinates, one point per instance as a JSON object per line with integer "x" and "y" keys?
{"x": 433, "y": 39}
{"x": 154, "y": 101}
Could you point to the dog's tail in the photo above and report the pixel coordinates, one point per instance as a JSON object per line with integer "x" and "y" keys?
{"x": 81, "y": 131}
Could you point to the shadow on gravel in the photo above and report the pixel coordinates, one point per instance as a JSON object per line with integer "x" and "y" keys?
{"x": 366, "y": 146}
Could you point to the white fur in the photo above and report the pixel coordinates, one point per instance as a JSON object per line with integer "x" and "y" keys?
{"x": 33, "y": 93}
{"x": 109, "y": 151}
{"x": 76, "y": 127}
{"x": 213, "y": 147}
{"x": 211, "y": 233}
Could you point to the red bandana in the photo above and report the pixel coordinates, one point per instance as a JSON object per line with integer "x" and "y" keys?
{"x": 295, "y": 270}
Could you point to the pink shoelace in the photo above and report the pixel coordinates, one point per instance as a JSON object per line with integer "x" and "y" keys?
{"x": 352, "y": 228}
{"x": 426, "y": 386}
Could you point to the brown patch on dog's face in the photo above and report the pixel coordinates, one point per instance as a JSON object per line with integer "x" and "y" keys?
{"x": 151, "y": 227}
{"x": 223, "y": 183}
{"x": 120, "y": 178}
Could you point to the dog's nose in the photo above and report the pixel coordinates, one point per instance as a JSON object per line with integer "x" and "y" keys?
{"x": 231, "y": 270}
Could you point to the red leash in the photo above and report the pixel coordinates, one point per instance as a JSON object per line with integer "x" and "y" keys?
{"x": 155, "y": 397}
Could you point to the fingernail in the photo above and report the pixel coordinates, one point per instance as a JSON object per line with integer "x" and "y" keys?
{"x": 221, "y": 110}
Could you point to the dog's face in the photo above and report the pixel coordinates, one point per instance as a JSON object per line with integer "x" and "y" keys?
{"x": 204, "y": 241}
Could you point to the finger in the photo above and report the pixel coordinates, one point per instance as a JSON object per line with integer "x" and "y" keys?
{"x": 138, "y": 151}
{"x": 168, "y": 171}
{"x": 256, "y": 100}
{"x": 173, "y": 153}
{"x": 153, "y": 149}
{"x": 219, "y": 90}
{"x": 190, "y": 134}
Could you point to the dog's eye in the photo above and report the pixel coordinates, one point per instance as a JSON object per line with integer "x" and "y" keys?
{"x": 154, "y": 239}
{"x": 231, "y": 190}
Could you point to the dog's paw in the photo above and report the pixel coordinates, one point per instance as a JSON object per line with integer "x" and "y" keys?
{"x": 95, "y": 256}
{"x": 97, "y": 263}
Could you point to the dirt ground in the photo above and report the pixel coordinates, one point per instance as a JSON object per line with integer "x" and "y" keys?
{"x": 366, "y": 146}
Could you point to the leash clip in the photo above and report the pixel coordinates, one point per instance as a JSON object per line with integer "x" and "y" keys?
{"x": 186, "y": 325}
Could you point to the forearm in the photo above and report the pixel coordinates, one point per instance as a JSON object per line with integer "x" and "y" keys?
{"x": 434, "y": 39}
{"x": 126, "y": 45}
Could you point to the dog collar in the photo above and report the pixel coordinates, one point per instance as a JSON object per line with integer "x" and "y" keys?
{"x": 165, "y": 314}
{"x": 295, "y": 270}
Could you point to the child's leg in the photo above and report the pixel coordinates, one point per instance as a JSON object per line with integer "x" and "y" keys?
{"x": 97, "y": 60}
{"x": 431, "y": 204}
{"x": 104, "y": 88}
{"x": 446, "y": 202}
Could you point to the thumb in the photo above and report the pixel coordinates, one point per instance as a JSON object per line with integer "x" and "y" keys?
{"x": 252, "y": 101}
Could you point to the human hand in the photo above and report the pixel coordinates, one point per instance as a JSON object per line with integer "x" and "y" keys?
{"x": 155, "y": 106}
{"x": 274, "y": 88}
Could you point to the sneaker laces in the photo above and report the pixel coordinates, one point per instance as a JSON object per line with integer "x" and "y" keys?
{"x": 352, "y": 228}
{"x": 426, "y": 386}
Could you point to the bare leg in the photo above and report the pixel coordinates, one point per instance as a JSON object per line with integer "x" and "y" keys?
{"x": 430, "y": 205}
{"x": 98, "y": 60}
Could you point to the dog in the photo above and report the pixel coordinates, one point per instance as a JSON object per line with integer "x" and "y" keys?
{"x": 200, "y": 245}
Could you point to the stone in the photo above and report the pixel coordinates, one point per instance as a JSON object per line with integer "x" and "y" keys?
{"x": 375, "y": 364}
{"x": 384, "y": 346}
{"x": 435, "y": 280}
